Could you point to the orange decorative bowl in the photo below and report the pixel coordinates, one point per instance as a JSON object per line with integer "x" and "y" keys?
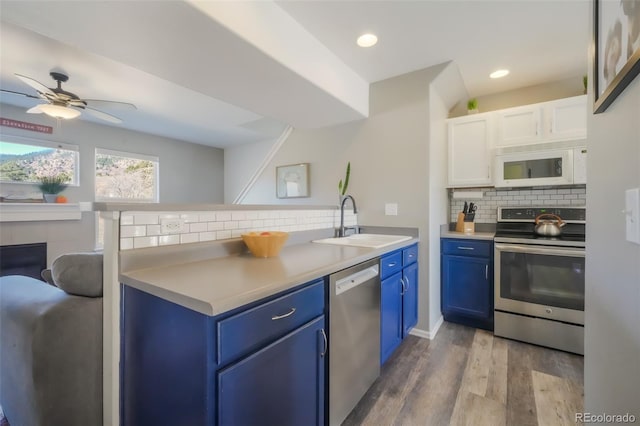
{"x": 265, "y": 244}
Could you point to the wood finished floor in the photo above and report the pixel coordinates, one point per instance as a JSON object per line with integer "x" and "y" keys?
{"x": 469, "y": 377}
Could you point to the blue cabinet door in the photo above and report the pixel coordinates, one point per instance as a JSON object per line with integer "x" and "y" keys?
{"x": 390, "y": 315}
{"x": 410, "y": 298}
{"x": 466, "y": 287}
{"x": 282, "y": 384}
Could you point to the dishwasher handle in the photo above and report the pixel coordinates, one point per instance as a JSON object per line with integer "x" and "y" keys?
{"x": 354, "y": 280}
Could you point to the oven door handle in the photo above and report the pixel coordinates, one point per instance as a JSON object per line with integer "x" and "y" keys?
{"x": 555, "y": 251}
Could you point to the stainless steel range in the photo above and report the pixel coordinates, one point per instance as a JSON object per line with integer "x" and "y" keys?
{"x": 539, "y": 281}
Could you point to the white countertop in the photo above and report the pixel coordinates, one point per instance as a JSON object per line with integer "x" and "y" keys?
{"x": 218, "y": 285}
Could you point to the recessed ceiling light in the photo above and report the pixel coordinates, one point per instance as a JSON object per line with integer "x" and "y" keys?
{"x": 499, "y": 73}
{"x": 367, "y": 40}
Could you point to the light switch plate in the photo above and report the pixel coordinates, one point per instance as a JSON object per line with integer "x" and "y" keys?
{"x": 632, "y": 213}
{"x": 391, "y": 209}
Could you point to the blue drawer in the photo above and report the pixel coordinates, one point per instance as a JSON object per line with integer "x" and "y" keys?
{"x": 390, "y": 264}
{"x": 248, "y": 331}
{"x": 410, "y": 255}
{"x": 463, "y": 247}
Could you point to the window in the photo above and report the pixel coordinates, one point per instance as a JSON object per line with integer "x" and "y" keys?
{"x": 25, "y": 160}
{"x": 123, "y": 176}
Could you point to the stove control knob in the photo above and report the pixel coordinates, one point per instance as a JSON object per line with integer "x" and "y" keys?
{"x": 549, "y": 310}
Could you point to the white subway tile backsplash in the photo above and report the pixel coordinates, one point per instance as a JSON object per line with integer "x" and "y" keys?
{"x": 492, "y": 199}
{"x": 198, "y": 227}
{"x": 223, "y": 216}
{"x": 126, "y": 243}
{"x": 207, "y": 236}
{"x": 207, "y": 217}
{"x": 190, "y": 217}
{"x": 143, "y": 229}
{"x": 223, "y": 235}
{"x": 165, "y": 240}
{"x": 144, "y": 242}
{"x": 145, "y": 219}
{"x": 133, "y": 231}
{"x": 189, "y": 238}
{"x": 215, "y": 226}
{"x": 153, "y": 230}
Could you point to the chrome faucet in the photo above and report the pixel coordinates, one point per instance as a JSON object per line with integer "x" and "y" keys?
{"x": 341, "y": 231}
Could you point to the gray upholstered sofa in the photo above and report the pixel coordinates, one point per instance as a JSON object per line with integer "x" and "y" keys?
{"x": 51, "y": 344}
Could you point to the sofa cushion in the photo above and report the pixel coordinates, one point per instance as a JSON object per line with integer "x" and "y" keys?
{"x": 79, "y": 274}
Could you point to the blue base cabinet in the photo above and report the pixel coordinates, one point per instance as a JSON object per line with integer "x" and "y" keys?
{"x": 467, "y": 282}
{"x": 264, "y": 363}
{"x": 399, "y": 298}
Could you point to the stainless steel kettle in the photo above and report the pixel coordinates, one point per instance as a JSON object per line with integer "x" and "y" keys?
{"x": 549, "y": 228}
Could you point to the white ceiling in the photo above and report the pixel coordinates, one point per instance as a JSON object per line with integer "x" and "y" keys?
{"x": 224, "y": 73}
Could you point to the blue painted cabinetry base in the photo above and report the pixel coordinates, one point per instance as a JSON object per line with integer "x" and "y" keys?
{"x": 399, "y": 298}
{"x": 262, "y": 364}
{"x": 467, "y": 282}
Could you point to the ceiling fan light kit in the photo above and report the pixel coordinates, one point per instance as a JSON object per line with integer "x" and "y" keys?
{"x": 56, "y": 111}
{"x": 62, "y": 104}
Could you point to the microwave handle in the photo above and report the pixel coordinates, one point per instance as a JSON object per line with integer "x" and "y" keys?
{"x": 540, "y": 250}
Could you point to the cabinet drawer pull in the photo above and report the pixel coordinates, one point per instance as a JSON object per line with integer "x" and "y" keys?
{"x": 466, "y": 248}
{"x": 391, "y": 265}
{"x": 486, "y": 272}
{"x": 410, "y": 255}
{"x": 288, "y": 314}
{"x": 324, "y": 337}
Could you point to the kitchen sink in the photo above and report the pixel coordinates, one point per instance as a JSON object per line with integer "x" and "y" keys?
{"x": 365, "y": 240}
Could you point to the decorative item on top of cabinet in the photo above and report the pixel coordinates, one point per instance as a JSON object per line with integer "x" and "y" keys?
{"x": 561, "y": 119}
{"x": 469, "y": 150}
{"x": 399, "y": 298}
{"x": 467, "y": 282}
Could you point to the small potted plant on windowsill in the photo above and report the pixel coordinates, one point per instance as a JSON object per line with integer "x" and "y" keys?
{"x": 472, "y": 106}
{"x": 51, "y": 186}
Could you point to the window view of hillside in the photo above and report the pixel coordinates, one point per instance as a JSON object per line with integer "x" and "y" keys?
{"x": 27, "y": 163}
{"x": 125, "y": 178}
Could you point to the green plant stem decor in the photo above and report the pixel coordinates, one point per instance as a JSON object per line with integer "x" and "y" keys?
{"x": 472, "y": 104}
{"x": 342, "y": 189}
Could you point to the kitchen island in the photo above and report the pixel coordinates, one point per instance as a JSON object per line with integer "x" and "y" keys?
{"x": 190, "y": 301}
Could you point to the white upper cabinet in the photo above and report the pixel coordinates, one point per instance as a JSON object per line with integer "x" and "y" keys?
{"x": 567, "y": 118}
{"x": 470, "y": 156}
{"x": 519, "y": 126}
{"x": 562, "y": 119}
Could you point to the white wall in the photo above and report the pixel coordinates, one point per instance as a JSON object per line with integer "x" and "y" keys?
{"x": 240, "y": 164}
{"x": 188, "y": 173}
{"x": 389, "y": 155}
{"x": 612, "y": 311}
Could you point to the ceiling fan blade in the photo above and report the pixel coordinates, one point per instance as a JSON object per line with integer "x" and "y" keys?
{"x": 97, "y": 102}
{"x": 35, "y": 84}
{"x": 102, "y": 115}
{"x": 19, "y": 93}
{"x": 35, "y": 110}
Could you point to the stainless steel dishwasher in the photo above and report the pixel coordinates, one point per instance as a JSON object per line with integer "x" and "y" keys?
{"x": 354, "y": 336}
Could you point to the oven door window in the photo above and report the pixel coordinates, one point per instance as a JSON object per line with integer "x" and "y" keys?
{"x": 549, "y": 280}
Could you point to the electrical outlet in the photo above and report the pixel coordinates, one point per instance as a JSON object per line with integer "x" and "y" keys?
{"x": 391, "y": 209}
{"x": 171, "y": 226}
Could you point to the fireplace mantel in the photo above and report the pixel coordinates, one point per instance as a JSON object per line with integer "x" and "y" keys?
{"x": 26, "y": 212}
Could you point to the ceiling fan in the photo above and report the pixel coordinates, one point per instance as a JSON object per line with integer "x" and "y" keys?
{"x": 63, "y": 104}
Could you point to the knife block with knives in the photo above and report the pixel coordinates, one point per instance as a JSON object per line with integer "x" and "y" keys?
{"x": 465, "y": 222}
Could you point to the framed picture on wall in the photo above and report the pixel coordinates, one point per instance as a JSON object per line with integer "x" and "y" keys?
{"x": 617, "y": 49}
{"x": 292, "y": 181}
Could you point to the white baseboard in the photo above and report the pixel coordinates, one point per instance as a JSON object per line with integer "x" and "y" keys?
{"x": 428, "y": 334}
